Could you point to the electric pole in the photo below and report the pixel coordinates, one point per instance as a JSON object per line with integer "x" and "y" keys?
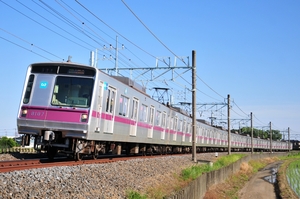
{"x": 228, "y": 122}
{"x": 270, "y": 137}
{"x": 251, "y": 133}
{"x": 194, "y": 105}
{"x": 289, "y": 138}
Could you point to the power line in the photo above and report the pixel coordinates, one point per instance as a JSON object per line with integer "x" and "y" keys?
{"x": 31, "y": 44}
{"x": 25, "y": 48}
{"x": 113, "y": 29}
{"x": 149, "y": 29}
{"x": 42, "y": 25}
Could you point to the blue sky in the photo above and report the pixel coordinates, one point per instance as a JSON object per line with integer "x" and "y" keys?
{"x": 248, "y": 49}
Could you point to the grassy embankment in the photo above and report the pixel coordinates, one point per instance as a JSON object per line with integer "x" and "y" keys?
{"x": 187, "y": 175}
{"x": 231, "y": 187}
{"x": 236, "y": 182}
{"x": 288, "y": 169}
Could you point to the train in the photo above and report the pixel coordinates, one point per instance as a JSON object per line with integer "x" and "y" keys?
{"x": 79, "y": 110}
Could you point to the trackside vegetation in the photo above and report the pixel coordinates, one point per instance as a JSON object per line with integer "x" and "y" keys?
{"x": 6, "y": 143}
{"x": 186, "y": 176}
{"x": 293, "y": 174}
{"x": 289, "y": 171}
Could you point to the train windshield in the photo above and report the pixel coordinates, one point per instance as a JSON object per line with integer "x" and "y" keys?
{"x": 72, "y": 91}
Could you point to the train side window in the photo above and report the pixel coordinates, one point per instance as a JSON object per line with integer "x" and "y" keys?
{"x": 180, "y": 126}
{"x": 110, "y": 100}
{"x": 124, "y": 106}
{"x": 184, "y": 127}
{"x": 175, "y": 123}
{"x": 107, "y": 100}
{"x": 158, "y": 118}
{"x": 171, "y": 123}
{"x": 134, "y": 109}
{"x": 164, "y": 120}
{"x": 143, "y": 113}
{"x": 151, "y": 115}
{"x": 28, "y": 89}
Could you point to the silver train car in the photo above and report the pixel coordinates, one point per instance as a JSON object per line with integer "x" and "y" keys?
{"x": 79, "y": 110}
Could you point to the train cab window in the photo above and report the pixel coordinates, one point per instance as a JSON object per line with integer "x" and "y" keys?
{"x": 28, "y": 89}
{"x": 72, "y": 91}
{"x": 124, "y": 106}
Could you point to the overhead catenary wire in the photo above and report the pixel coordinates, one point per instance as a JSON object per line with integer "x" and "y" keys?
{"x": 31, "y": 44}
{"x": 25, "y": 48}
{"x": 113, "y": 29}
{"x": 44, "y": 25}
{"x": 149, "y": 29}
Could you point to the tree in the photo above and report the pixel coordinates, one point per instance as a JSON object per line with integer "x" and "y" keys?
{"x": 6, "y": 142}
{"x": 260, "y": 133}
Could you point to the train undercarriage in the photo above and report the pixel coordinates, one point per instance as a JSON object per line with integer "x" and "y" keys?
{"x": 78, "y": 148}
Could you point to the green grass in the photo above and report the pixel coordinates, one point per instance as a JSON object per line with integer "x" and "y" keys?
{"x": 189, "y": 174}
{"x": 135, "y": 195}
{"x": 196, "y": 171}
{"x": 293, "y": 174}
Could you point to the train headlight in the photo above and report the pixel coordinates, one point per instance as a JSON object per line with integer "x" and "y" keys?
{"x": 84, "y": 117}
{"x": 24, "y": 113}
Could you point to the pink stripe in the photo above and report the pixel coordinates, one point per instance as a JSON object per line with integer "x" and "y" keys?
{"x": 54, "y": 114}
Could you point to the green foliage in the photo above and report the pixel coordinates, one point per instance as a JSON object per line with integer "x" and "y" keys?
{"x": 293, "y": 174}
{"x": 291, "y": 156}
{"x": 135, "y": 195}
{"x": 196, "y": 171}
{"x": 256, "y": 165}
{"x": 264, "y": 134}
{"x": 6, "y": 142}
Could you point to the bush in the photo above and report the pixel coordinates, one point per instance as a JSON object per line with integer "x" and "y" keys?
{"x": 6, "y": 142}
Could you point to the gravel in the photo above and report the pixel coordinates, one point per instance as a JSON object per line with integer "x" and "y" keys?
{"x": 102, "y": 181}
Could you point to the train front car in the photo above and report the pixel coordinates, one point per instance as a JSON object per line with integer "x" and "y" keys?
{"x": 55, "y": 107}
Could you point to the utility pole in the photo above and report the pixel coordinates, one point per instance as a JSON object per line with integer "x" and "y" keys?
{"x": 228, "y": 122}
{"x": 270, "y": 137}
{"x": 194, "y": 105}
{"x": 94, "y": 56}
{"x": 289, "y": 138}
{"x": 251, "y": 133}
{"x": 116, "y": 56}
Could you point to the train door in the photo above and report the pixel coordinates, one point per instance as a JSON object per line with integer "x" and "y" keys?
{"x": 175, "y": 129}
{"x": 110, "y": 110}
{"x": 183, "y": 130}
{"x": 170, "y": 127}
{"x": 134, "y": 116}
{"x": 99, "y": 106}
{"x": 164, "y": 122}
{"x": 151, "y": 122}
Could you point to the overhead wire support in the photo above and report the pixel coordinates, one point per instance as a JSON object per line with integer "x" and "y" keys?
{"x": 167, "y": 68}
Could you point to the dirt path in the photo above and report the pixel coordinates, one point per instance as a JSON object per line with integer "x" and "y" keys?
{"x": 261, "y": 185}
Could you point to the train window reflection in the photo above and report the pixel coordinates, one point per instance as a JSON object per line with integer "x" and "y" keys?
{"x": 72, "y": 91}
{"x": 28, "y": 89}
{"x": 124, "y": 106}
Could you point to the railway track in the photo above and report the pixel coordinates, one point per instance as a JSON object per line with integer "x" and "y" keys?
{"x": 14, "y": 165}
